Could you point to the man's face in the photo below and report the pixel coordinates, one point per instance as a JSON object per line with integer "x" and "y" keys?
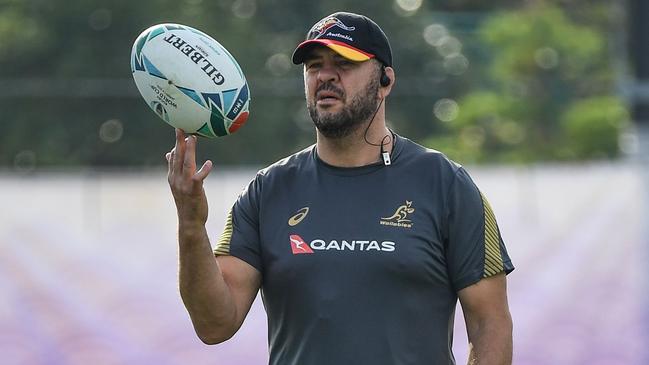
{"x": 341, "y": 95}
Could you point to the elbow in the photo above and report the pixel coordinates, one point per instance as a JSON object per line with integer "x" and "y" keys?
{"x": 213, "y": 329}
{"x": 213, "y": 340}
{"x": 212, "y": 337}
{"x": 209, "y": 340}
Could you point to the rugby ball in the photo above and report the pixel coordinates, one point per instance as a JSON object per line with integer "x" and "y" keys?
{"x": 190, "y": 80}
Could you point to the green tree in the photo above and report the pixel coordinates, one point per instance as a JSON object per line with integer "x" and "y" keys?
{"x": 548, "y": 94}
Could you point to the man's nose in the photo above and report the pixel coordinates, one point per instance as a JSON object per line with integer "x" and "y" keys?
{"x": 328, "y": 73}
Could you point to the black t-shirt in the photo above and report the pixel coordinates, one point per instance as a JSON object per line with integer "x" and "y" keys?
{"x": 362, "y": 265}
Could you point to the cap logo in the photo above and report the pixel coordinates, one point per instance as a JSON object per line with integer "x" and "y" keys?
{"x": 322, "y": 26}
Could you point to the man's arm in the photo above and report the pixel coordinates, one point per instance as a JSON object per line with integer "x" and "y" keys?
{"x": 217, "y": 293}
{"x": 488, "y": 321}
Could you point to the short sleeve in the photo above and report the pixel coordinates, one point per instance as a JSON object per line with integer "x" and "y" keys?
{"x": 240, "y": 236}
{"x": 474, "y": 246}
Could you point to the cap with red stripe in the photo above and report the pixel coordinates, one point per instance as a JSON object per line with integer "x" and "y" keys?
{"x": 353, "y": 36}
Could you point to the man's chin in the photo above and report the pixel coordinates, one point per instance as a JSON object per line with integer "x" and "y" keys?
{"x": 329, "y": 111}
{"x": 332, "y": 123}
{"x": 335, "y": 130}
{"x": 334, "y": 133}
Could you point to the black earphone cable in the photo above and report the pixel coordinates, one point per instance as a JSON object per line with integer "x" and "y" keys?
{"x": 383, "y": 154}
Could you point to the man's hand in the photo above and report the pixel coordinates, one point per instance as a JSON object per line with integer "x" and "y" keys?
{"x": 186, "y": 183}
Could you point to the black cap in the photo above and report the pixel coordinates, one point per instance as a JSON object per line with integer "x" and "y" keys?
{"x": 353, "y": 36}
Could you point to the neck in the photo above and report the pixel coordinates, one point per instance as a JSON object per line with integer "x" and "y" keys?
{"x": 353, "y": 150}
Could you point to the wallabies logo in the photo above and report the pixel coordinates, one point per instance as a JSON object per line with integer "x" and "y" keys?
{"x": 400, "y": 216}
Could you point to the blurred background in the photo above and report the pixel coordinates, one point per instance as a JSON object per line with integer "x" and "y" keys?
{"x": 546, "y": 102}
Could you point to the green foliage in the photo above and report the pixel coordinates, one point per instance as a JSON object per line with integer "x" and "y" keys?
{"x": 592, "y": 127}
{"x": 484, "y": 124}
{"x": 540, "y": 38}
{"x": 20, "y": 32}
{"x": 549, "y": 81}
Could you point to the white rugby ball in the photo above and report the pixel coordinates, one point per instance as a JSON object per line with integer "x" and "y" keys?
{"x": 190, "y": 80}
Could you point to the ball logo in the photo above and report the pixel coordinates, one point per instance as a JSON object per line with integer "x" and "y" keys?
{"x": 196, "y": 56}
{"x": 159, "y": 109}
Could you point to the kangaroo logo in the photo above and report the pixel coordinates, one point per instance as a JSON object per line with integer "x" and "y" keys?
{"x": 298, "y": 245}
{"x": 320, "y": 28}
{"x": 400, "y": 216}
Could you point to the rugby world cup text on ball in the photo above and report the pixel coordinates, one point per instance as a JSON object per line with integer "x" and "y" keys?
{"x": 197, "y": 57}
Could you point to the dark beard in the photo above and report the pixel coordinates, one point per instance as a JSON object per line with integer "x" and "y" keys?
{"x": 342, "y": 124}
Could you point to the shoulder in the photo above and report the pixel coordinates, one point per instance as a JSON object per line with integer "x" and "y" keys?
{"x": 416, "y": 156}
{"x": 277, "y": 174}
{"x": 287, "y": 166}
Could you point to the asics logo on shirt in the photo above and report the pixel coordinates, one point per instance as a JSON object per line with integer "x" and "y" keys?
{"x": 297, "y": 218}
{"x": 299, "y": 245}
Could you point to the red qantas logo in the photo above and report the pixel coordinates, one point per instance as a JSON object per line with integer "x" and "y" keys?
{"x": 298, "y": 246}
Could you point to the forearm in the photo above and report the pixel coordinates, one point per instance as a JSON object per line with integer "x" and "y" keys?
{"x": 491, "y": 342}
{"x": 203, "y": 288}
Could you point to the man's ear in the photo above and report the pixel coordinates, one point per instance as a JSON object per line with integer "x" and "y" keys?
{"x": 388, "y": 72}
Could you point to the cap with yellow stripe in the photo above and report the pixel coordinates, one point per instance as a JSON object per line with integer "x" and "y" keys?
{"x": 341, "y": 48}
{"x": 353, "y": 36}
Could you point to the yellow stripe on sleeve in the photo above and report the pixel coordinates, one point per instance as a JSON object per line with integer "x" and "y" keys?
{"x": 493, "y": 258}
{"x": 222, "y": 247}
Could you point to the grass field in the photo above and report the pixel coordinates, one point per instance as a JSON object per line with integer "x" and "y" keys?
{"x": 88, "y": 268}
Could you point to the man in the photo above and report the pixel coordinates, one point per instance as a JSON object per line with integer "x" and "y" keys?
{"x": 361, "y": 244}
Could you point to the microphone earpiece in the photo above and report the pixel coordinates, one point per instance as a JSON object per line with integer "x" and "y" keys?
{"x": 385, "y": 80}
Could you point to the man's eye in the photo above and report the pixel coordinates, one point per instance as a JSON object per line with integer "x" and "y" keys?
{"x": 347, "y": 64}
{"x": 313, "y": 65}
